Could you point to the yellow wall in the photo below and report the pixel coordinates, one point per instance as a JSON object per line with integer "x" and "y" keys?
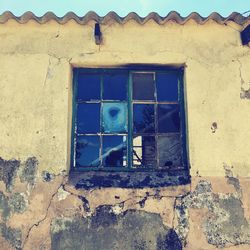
{"x": 36, "y": 78}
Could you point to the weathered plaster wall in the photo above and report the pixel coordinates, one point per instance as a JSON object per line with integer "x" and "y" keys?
{"x": 36, "y": 63}
{"x": 40, "y": 210}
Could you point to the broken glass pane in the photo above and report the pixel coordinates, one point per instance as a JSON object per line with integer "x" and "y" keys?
{"x": 144, "y": 151}
{"x": 114, "y": 153}
{"x": 169, "y": 151}
{"x": 143, "y": 86}
{"x": 144, "y": 118}
{"x": 88, "y": 118}
{"x": 114, "y": 117}
{"x": 167, "y": 87}
{"x": 168, "y": 118}
{"x": 115, "y": 87}
{"x": 87, "y": 151}
{"x": 88, "y": 87}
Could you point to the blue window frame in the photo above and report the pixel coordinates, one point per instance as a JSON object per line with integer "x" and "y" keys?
{"x": 129, "y": 119}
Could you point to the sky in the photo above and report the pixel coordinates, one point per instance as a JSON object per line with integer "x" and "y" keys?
{"x": 123, "y": 7}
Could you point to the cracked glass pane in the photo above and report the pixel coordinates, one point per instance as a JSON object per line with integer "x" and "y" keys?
{"x": 144, "y": 151}
{"x": 168, "y": 118}
{"x": 89, "y": 87}
{"x": 114, "y": 153}
{"x": 115, "y": 87}
{"x": 167, "y": 87}
{"x": 143, "y": 86}
{"x": 87, "y": 151}
{"x": 114, "y": 117}
{"x": 88, "y": 118}
{"x": 143, "y": 118}
{"x": 169, "y": 151}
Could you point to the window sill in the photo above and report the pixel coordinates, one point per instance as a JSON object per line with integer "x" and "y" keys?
{"x": 94, "y": 179}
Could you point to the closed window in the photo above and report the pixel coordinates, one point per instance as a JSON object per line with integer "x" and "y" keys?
{"x": 128, "y": 120}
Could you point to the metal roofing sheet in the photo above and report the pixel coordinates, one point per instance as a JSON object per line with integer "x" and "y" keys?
{"x": 112, "y": 16}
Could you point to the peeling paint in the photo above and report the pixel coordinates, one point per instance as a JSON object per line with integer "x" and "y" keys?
{"x": 29, "y": 171}
{"x": 18, "y": 203}
{"x": 170, "y": 242}
{"x": 62, "y": 194}
{"x": 226, "y": 224}
{"x": 4, "y": 206}
{"x": 47, "y": 176}
{"x": 8, "y": 170}
{"x": 131, "y": 230}
{"x": 15, "y": 203}
{"x": 85, "y": 204}
{"x": 232, "y": 180}
{"x": 13, "y": 236}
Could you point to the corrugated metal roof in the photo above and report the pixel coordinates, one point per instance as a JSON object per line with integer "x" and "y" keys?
{"x": 112, "y": 16}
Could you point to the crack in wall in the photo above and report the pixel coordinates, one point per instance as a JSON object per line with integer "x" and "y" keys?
{"x": 46, "y": 213}
{"x": 138, "y": 199}
{"x": 245, "y": 93}
{"x": 225, "y": 225}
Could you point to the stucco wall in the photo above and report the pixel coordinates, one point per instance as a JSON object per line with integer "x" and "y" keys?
{"x": 36, "y": 65}
{"x": 35, "y": 113}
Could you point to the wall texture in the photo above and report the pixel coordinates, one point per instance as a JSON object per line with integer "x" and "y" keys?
{"x": 41, "y": 210}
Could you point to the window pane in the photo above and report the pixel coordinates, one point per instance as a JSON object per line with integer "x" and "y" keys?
{"x": 114, "y": 117}
{"x": 167, "y": 87}
{"x": 115, "y": 87}
{"x": 168, "y": 118}
{"x": 88, "y": 118}
{"x": 114, "y": 153}
{"x": 169, "y": 151}
{"x": 144, "y": 118}
{"x": 87, "y": 151}
{"x": 143, "y": 86}
{"x": 144, "y": 151}
{"x": 88, "y": 87}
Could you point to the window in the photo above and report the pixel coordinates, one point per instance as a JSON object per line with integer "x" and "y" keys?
{"x": 129, "y": 120}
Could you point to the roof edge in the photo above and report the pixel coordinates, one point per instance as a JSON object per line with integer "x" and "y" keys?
{"x": 113, "y": 16}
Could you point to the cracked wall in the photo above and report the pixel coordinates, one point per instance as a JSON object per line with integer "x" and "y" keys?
{"x": 36, "y": 100}
{"x": 39, "y": 207}
{"x": 212, "y": 212}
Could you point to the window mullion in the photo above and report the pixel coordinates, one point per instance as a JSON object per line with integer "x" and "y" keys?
{"x": 130, "y": 123}
{"x": 101, "y": 122}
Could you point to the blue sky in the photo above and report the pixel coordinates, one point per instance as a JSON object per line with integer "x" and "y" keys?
{"x": 123, "y": 7}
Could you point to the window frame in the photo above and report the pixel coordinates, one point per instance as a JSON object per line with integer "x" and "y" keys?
{"x": 130, "y": 70}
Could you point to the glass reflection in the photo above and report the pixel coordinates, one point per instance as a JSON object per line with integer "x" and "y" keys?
{"x": 167, "y": 87}
{"x": 87, "y": 151}
{"x": 168, "y": 118}
{"x": 115, "y": 87}
{"x": 88, "y": 118}
{"x": 114, "y": 153}
{"x": 143, "y": 118}
{"x": 143, "y": 86}
{"x": 88, "y": 87}
{"x": 114, "y": 117}
{"x": 169, "y": 151}
{"x": 144, "y": 151}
